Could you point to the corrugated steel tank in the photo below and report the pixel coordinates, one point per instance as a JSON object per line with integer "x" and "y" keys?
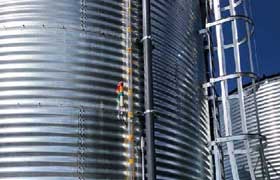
{"x": 181, "y": 126}
{"x": 268, "y": 101}
{"x": 269, "y": 113}
{"x": 60, "y": 62}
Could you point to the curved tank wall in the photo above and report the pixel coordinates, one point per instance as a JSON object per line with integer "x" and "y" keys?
{"x": 60, "y": 62}
{"x": 269, "y": 113}
{"x": 181, "y": 126}
{"x": 268, "y": 101}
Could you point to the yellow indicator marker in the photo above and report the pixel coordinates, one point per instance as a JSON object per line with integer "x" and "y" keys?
{"x": 130, "y": 115}
{"x": 129, "y": 29}
{"x": 130, "y": 92}
{"x": 129, "y": 71}
{"x": 129, "y": 50}
{"x": 131, "y": 161}
{"x": 130, "y": 138}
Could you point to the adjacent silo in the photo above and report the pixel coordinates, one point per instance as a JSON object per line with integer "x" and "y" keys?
{"x": 268, "y": 102}
{"x": 268, "y": 98}
{"x": 60, "y": 63}
{"x": 181, "y": 126}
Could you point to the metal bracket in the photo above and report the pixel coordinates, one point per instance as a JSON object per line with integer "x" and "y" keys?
{"x": 230, "y": 97}
{"x": 228, "y": 77}
{"x": 235, "y": 138}
{"x": 230, "y": 19}
{"x": 145, "y": 38}
{"x": 238, "y": 152}
{"x": 203, "y": 31}
{"x": 236, "y": 4}
{"x": 149, "y": 111}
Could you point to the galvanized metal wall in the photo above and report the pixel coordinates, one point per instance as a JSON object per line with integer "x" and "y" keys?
{"x": 269, "y": 115}
{"x": 60, "y": 62}
{"x": 181, "y": 126}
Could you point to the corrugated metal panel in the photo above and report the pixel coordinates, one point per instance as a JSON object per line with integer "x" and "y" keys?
{"x": 60, "y": 61}
{"x": 269, "y": 115}
{"x": 181, "y": 128}
{"x": 269, "y": 112}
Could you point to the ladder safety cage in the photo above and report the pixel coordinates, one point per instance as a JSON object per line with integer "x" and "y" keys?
{"x": 227, "y": 31}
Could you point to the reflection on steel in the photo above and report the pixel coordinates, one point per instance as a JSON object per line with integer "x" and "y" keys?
{"x": 181, "y": 126}
{"x": 268, "y": 98}
{"x": 60, "y": 61}
{"x": 269, "y": 115}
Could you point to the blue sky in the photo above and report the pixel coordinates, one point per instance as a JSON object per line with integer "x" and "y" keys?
{"x": 267, "y": 22}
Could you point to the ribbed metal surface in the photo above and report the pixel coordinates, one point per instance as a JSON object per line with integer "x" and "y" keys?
{"x": 269, "y": 114}
{"x": 60, "y": 62}
{"x": 268, "y": 100}
{"x": 181, "y": 127}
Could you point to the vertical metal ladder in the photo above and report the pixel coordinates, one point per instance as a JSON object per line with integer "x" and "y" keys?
{"x": 227, "y": 21}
